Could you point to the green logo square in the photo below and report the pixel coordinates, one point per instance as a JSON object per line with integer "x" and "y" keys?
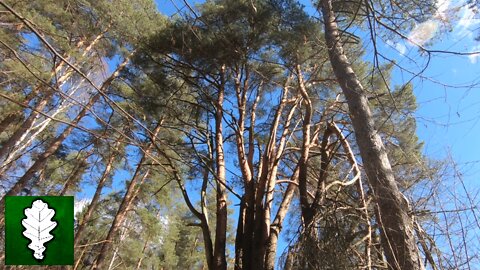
{"x": 39, "y": 230}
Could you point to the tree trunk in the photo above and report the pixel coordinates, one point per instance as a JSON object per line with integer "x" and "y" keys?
{"x": 95, "y": 199}
{"x": 123, "y": 235}
{"x": 130, "y": 194}
{"x": 16, "y": 137}
{"x": 219, "y": 254}
{"x": 239, "y": 237}
{"x": 307, "y": 208}
{"x": 51, "y": 149}
{"x": 25, "y": 127}
{"x": 399, "y": 242}
{"x": 276, "y": 227}
{"x": 207, "y": 237}
{"x": 57, "y": 142}
{"x": 98, "y": 191}
{"x": 76, "y": 174}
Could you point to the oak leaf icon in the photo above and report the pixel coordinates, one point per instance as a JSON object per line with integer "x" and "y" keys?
{"x": 38, "y": 225}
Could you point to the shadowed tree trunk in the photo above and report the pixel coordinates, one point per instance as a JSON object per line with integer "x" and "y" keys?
{"x": 219, "y": 255}
{"x": 276, "y": 227}
{"x": 95, "y": 199}
{"x": 397, "y": 228}
{"x": 138, "y": 177}
{"x": 13, "y": 140}
{"x": 76, "y": 174}
{"x": 16, "y": 116}
{"x": 9, "y": 119}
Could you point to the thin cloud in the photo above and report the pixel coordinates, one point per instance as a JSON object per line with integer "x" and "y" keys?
{"x": 474, "y": 57}
{"x": 425, "y": 31}
{"x": 400, "y": 47}
{"x": 467, "y": 21}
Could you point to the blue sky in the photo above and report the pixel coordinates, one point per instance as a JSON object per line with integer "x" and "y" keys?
{"x": 448, "y": 116}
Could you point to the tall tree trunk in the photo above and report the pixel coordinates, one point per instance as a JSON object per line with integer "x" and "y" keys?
{"x": 98, "y": 191}
{"x": 207, "y": 237}
{"x": 95, "y": 199}
{"x": 50, "y": 150}
{"x": 239, "y": 236}
{"x": 123, "y": 235}
{"x": 25, "y": 127}
{"x": 17, "y": 136}
{"x": 57, "y": 142}
{"x": 307, "y": 211}
{"x": 127, "y": 200}
{"x": 16, "y": 116}
{"x": 219, "y": 254}
{"x": 397, "y": 228}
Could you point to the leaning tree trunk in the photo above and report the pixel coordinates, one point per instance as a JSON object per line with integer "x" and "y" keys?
{"x": 57, "y": 142}
{"x": 396, "y": 225}
{"x": 98, "y": 191}
{"x": 132, "y": 191}
{"x": 95, "y": 199}
{"x": 18, "y": 136}
{"x": 76, "y": 174}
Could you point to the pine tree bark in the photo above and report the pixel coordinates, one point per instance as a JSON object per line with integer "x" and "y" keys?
{"x": 276, "y": 227}
{"x": 138, "y": 177}
{"x": 50, "y": 150}
{"x": 399, "y": 242}
{"x": 219, "y": 254}
{"x": 98, "y": 191}
{"x": 13, "y": 140}
{"x": 8, "y": 120}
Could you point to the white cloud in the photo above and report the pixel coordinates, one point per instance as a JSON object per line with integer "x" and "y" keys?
{"x": 400, "y": 47}
{"x": 468, "y": 17}
{"x": 474, "y": 58}
{"x": 442, "y": 7}
{"x": 467, "y": 21}
{"x": 423, "y": 32}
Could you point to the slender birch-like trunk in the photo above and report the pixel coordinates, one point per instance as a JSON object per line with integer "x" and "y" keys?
{"x": 57, "y": 142}
{"x": 20, "y": 134}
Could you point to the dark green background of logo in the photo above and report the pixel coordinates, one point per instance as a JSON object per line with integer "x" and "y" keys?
{"x": 59, "y": 250}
